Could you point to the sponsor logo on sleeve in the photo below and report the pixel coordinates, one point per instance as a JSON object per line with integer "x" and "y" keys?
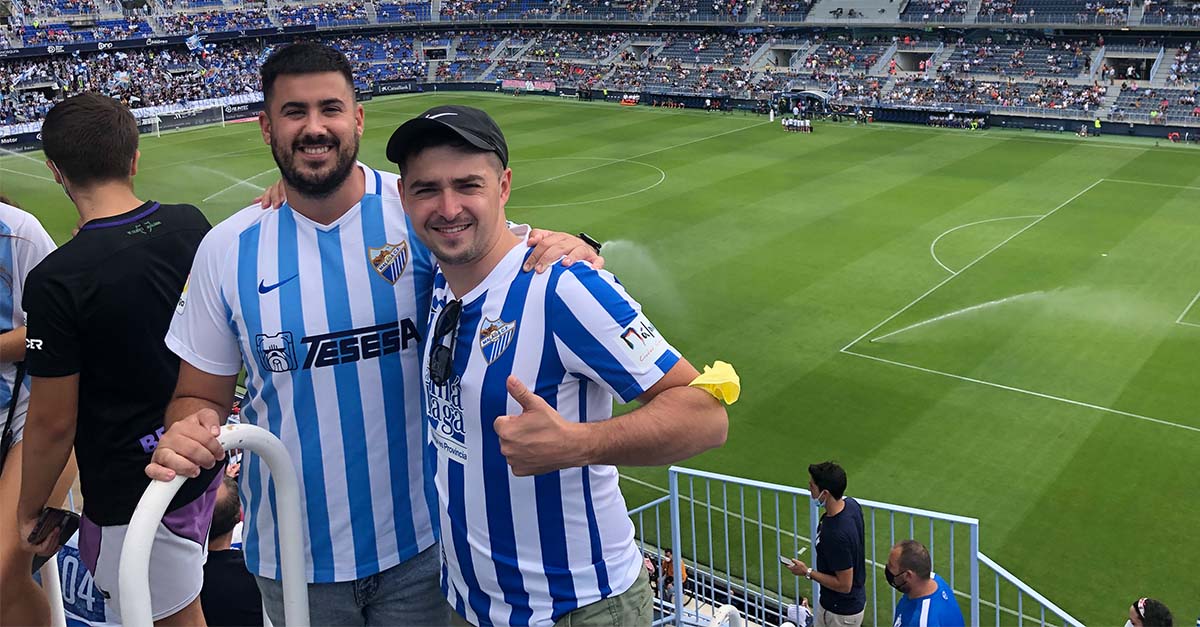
{"x": 641, "y": 339}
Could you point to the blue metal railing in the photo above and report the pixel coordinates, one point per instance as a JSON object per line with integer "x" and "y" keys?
{"x": 727, "y": 531}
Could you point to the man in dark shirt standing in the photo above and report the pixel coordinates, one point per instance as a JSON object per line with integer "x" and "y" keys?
{"x": 230, "y": 596}
{"x": 841, "y": 564}
{"x": 101, "y": 375}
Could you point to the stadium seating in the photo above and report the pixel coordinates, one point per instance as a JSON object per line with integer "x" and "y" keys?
{"x": 103, "y": 30}
{"x": 934, "y": 11}
{"x": 1107, "y": 12}
{"x": 1006, "y": 70}
{"x": 325, "y": 14}
{"x": 1177, "y": 13}
{"x": 786, "y": 10}
{"x": 214, "y": 21}
{"x": 390, "y": 12}
{"x": 604, "y": 10}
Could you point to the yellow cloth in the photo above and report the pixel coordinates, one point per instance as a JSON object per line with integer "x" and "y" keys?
{"x": 720, "y": 380}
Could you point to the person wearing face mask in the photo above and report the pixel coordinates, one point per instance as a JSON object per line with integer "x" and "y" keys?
{"x": 1147, "y": 612}
{"x": 840, "y": 568}
{"x": 928, "y": 600}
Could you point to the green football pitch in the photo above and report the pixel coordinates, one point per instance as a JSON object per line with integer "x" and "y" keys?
{"x": 999, "y": 324}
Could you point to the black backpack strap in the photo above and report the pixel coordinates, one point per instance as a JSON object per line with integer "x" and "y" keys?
{"x": 7, "y": 438}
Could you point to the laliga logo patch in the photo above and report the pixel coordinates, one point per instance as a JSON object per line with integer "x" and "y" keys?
{"x": 390, "y": 260}
{"x": 183, "y": 297}
{"x": 495, "y": 337}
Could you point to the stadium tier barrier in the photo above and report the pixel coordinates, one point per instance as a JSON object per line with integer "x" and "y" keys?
{"x": 134, "y": 568}
{"x": 730, "y": 533}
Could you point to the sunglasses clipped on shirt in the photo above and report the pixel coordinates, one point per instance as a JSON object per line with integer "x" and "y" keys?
{"x": 441, "y": 358}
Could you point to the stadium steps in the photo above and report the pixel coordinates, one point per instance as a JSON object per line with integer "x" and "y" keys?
{"x": 498, "y": 50}
{"x": 946, "y": 54}
{"x": 755, "y": 11}
{"x": 1111, "y": 96}
{"x": 1136, "y": 11}
{"x": 645, "y": 17}
{"x": 755, "y": 60}
{"x": 880, "y": 67}
{"x": 372, "y": 15}
{"x": 611, "y": 59}
{"x": 972, "y": 11}
{"x": 1159, "y": 80}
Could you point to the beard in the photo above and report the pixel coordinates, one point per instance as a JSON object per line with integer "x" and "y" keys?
{"x": 316, "y": 185}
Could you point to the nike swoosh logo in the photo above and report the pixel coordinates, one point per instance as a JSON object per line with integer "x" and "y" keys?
{"x": 265, "y": 289}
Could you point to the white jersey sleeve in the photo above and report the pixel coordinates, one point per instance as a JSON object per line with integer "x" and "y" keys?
{"x": 201, "y": 332}
{"x": 602, "y": 334}
{"x": 35, "y": 246}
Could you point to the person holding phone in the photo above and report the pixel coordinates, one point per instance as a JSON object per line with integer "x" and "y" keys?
{"x": 100, "y": 373}
{"x": 23, "y": 244}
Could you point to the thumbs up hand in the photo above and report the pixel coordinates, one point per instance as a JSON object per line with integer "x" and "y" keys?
{"x": 539, "y": 440}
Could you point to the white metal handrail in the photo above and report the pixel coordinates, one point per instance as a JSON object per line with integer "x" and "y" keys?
{"x": 726, "y": 615}
{"x": 52, "y": 584}
{"x": 1026, "y": 590}
{"x": 134, "y": 569}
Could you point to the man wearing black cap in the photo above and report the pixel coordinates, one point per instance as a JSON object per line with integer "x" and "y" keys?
{"x": 324, "y": 304}
{"x": 534, "y": 527}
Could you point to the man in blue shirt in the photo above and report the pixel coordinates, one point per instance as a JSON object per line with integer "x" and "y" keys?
{"x": 928, "y": 600}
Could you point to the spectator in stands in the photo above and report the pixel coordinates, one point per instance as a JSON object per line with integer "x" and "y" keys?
{"x": 23, "y": 244}
{"x": 668, "y": 575}
{"x": 101, "y": 376}
{"x": 1147, "y": 612}
{"x": 229, "y": 597}
{"x": 928, "y": 600}
{"x": 379, "y": 566}
{"x": 841, "y": 560}
{"x": 455, "y": 182}
{"x": 800, "y": 615}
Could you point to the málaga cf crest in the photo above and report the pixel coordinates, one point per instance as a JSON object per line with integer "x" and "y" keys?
{"x": 390, "y": 260}
{"x": 495, "y": 336}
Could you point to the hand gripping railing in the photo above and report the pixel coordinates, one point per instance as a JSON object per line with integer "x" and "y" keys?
{"x": 134, "y": 572}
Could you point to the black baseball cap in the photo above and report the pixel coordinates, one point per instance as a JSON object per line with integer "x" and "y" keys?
{"x": 473, "y": 125}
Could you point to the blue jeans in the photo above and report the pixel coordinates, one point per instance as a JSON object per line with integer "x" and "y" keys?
{"x": 409, "y": 593}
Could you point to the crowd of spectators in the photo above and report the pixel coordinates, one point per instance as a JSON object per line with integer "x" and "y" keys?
{"x": 1024, "y": 57}
{"x": 1172, "y": 14}
{"x": 629, "y": 10}
{"x": 935, "y": 10}
{"x": 1049, "y": 93}
{"x": 214, "y": 21}
{"x": 1185, "y": 67}
{"x": 1005, "y": 71}
{"x": 555, "y": 44}
{"x": 322, "y": 14}
{"x": 786, "y": 10}
{"x": 138, "y": 78}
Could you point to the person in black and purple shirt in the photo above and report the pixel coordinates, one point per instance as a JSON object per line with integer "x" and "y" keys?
{"x": 101, "y": 375}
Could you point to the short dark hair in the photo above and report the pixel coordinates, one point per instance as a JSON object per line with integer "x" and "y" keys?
{"x": 304, "y": 57}
{"x": 1156, "y": 614}
{"x": 915, "y": 557}
{"x": 436, "y": 138}
{"x": 90, "y": 138}
{"x": 829, "y": 476}
{"x": 228, "y": 510}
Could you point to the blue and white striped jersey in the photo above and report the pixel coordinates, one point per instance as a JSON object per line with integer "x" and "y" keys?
{"x": 528, "y": 550}
{"x": 23, "y": 243}
{"x": 327, "y": 320}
